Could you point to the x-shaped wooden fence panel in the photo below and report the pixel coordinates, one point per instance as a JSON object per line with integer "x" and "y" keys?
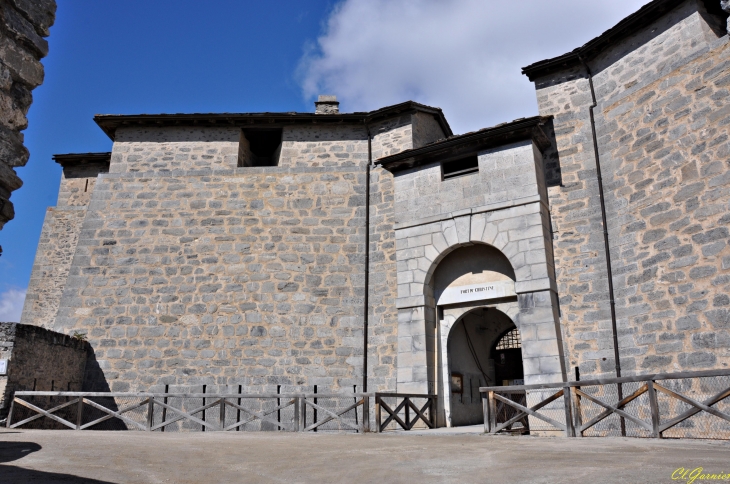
{"x": 406, "y": 405}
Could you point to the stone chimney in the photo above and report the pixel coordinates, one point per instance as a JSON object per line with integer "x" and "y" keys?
{"x": 326, "y": 105}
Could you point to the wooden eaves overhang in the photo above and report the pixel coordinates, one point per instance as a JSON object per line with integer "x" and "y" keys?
{"x": 73, "y": 159}
{"x": 471, "y": 143}
{"x": 109, "y": 123}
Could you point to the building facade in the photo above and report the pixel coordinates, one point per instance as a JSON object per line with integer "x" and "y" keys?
{"x": 379, "y": 251}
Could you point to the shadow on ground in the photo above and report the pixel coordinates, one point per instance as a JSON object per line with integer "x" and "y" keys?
{"x": 12, "y": 451}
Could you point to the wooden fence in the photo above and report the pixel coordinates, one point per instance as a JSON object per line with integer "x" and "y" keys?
{"x": 677, "y": 405}
{"x": 178, "y": 412}
{"x": 424, "y": 414}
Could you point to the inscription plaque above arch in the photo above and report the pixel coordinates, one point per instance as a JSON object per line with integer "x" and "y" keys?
{"x": 473, "y": 273}
{"x": 474, "y": 292}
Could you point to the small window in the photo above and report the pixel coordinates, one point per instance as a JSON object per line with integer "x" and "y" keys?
{"x": 264, "y": 148}
{"x": 510, "y": 341}
{"x": 464, "y": 166}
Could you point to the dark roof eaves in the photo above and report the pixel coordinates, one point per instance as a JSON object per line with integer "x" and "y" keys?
{"x": 484, "y": 134}
{"x": 110, "y": 122}
{"x": 68, "y": 159}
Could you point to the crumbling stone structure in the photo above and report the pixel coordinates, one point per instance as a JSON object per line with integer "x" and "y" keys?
{"x": 34, "y": 358}
{"x": 379, "y": 251}
{"x": 23, "y": 26}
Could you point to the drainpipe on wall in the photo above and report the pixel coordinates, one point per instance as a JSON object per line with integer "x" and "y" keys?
{"x": 606, "y": 244}
{"x": 603, "y": 219}
{"x": 366, "y": 302}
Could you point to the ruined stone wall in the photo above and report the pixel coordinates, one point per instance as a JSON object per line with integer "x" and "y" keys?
{"x": 57, "y": 244}
{"x": 628, "y": 67}
{"x": 39, "y": 359}
{"x": 23, "y": 24}
{"x": 173, "y": 148}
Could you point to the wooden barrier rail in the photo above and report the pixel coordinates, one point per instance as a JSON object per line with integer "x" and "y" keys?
{"x": 406, "y": 405}
{"x": 579, "y": 390}
{"x": 299, "y": 402}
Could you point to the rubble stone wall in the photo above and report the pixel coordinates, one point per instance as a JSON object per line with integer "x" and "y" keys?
{"x": 382, "y": 290}
{"x": 56, "y": 247}
{"x": 39, "y": 359}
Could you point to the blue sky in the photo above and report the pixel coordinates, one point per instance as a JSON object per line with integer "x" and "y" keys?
{"x": 250, "y": 56}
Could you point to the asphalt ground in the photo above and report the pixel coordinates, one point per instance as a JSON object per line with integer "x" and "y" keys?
{"x": 50, "y": 456}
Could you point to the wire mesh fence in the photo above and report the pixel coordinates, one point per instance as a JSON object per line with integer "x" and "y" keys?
{"x": 693, "y": 405}
{"x": 190, "y": 412}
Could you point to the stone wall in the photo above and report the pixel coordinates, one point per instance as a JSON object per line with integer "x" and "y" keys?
{"x": 382, "y": 290}
{"x": 666, "y": 149}
{"x": 39, "y": 359}
{"x": 223, "y": 275}
{"x": 507, "y": 174}
{"x": 252, "y": 278}
{"x": 23, "y": 26}
{"x": 56, "y": 247}
{"x": 317, "y": 145}
{"x": 426, "y": 129}
{"x": 627, "y": 68}
{"x": 169, "y": 149}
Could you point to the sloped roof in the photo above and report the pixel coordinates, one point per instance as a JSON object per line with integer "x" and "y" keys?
{"x": 109, "y": 123}
{"x": 638, "y": 20}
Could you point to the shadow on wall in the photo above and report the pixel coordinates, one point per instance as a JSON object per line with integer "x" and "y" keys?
{"x": 551, "y": 157}
{"x": 94, "y": 379}
{"x": 12, "y": 451}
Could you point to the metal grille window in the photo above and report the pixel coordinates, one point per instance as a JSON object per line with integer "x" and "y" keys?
{"x": 510, "y": 341}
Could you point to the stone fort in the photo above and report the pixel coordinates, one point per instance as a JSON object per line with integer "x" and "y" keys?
{"x": 379, "y": 251}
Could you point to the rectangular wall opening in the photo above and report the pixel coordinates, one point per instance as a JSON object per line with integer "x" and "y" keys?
{"x": 460, "y": 167}
{"x": 260, "y": 147}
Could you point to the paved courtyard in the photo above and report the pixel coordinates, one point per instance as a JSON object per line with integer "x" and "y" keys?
{"x": 138, "y": 457}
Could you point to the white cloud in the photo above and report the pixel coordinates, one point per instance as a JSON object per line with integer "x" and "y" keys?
{"x": 464, "y": 56}
{"x": 11, "y": 305}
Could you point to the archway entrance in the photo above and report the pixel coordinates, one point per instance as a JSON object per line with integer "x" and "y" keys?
{"x": 483, "y": 349}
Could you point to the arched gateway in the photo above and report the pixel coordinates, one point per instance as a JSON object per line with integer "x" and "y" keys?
{"x": 474, "y": 294}
{"x": 474, "y": 255}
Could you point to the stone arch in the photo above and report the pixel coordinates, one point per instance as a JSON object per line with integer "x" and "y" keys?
{"x": 526, "y": 250}
{"x": 518, "y": 233}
